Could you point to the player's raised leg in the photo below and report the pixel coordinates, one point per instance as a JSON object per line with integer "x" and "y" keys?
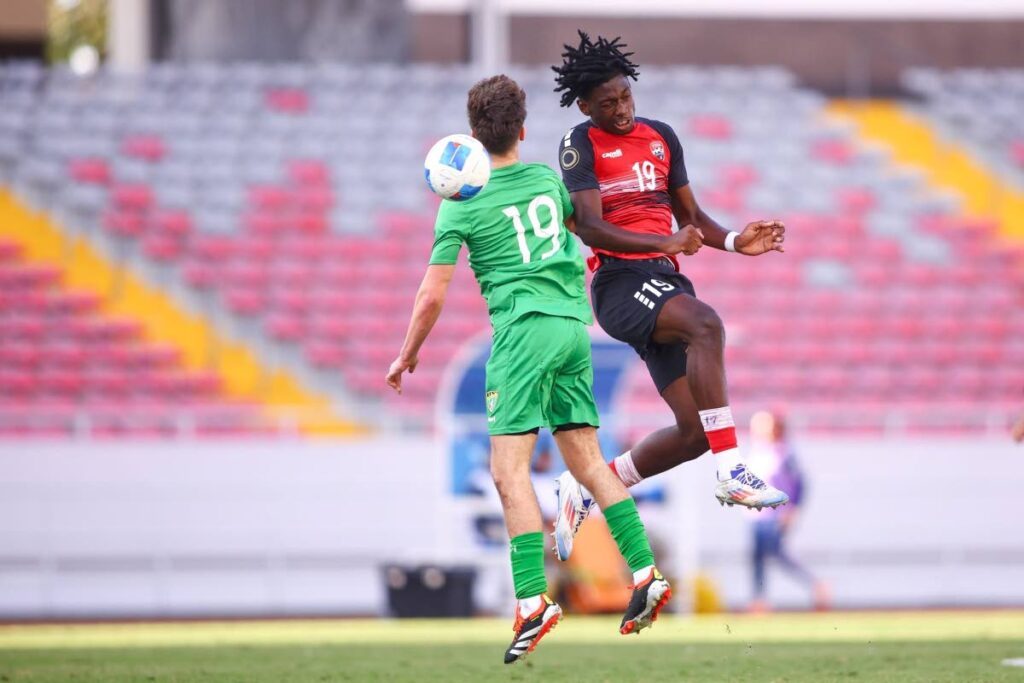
{"x": 582, "y": 454}
{"x": 686, "y": 320}
{"x": 536, "y": 613}
{"x": 669, "y": 447}
{"x": 658, "y": 452}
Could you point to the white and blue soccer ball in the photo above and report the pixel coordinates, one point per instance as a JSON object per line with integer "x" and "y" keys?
{"x": 457, "y": 167}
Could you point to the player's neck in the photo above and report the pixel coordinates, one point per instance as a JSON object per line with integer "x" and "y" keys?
{"x": 502, "y": 160}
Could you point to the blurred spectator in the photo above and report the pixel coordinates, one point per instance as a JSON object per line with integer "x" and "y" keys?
{"x": 773, "y": 457}
{"x": 1018, "y": 430}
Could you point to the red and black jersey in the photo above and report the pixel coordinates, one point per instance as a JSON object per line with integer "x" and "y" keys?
{"x": 634, "y": 173}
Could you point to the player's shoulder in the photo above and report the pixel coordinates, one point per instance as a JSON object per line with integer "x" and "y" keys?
{"x": 660, "y": 127}
{"x": 539, "y": 169}
{"x": 575, "y": 146}
{"x": 543, "y": 177}
{"x": 578, "y": 133}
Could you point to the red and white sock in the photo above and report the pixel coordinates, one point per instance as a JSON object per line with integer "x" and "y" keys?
{"x": 721, "y": 432}
{"x": 625, "y": 470}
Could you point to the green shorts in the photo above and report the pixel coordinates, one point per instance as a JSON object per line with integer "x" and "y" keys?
{"x": 540, "y": 375}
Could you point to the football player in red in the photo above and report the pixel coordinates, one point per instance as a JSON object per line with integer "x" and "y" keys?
{"x": 627, "y": 180}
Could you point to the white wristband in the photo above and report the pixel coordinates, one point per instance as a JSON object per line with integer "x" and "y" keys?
{"x": 730, "y": 241}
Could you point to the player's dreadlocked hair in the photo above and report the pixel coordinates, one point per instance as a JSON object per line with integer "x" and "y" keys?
{"x": 589, "y": 65}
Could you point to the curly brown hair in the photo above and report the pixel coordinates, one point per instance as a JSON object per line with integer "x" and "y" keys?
{"x": 497, "y": 110}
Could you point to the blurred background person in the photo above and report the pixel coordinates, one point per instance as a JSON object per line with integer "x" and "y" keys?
{"x": 1018, "y": 430}
{"x": 772, "y": 454}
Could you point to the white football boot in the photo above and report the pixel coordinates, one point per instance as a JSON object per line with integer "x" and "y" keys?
{"x": 746, "y": 489}
{"x": 573, "y": 509}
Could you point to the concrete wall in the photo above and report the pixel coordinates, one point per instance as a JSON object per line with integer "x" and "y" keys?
{"x": 837, "y": 55}
{"x": 156, "y": 529}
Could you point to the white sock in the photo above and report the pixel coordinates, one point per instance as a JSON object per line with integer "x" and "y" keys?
{"x": 727, "y": 461}
{"x": 624, "y": 467}
{"x": 528, "y": 606}
{"x": 641, "y": 574}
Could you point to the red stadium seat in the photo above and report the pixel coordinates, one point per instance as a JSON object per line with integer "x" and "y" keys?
{"x": 17, "y": 383}
{"x": 286, "y": 327}
{"x": 308, "y": 172}
{"x": 287, "y": 100}
{"x": 213, "y": 247}
{"x": 270, "y": 197}
{"x": 89, "y": 170}
{"x": 27, "y": 277}
{"x": 711, "y": 126}
{"x": 162, "y": 247}
{"x": 832, "y": 151}
{"x": 124, "y": 223}
{"x": 855, "y": 200}
{"x": 263, "y": 222}
{"x": 148, "y": 147}
{"x": 19, "y": 355}
{"x": 174, "y": 222}
{"x": 132, "y": 197}
{"x": 201, "y": 275}
{"x": 245, "y": 301}
{"x": 327, "y": 355}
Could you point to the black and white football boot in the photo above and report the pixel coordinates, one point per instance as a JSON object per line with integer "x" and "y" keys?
{"x": 649, "y": 596}
{"x": 530, "y": 629}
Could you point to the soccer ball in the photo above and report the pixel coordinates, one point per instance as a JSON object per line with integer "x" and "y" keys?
{"x": 457, "y": 167}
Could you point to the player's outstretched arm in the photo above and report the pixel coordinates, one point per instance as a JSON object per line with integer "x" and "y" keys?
{"x": 429, "y": 302}
{"x": 600, "y": 234}
{"x": 756, "y": 238}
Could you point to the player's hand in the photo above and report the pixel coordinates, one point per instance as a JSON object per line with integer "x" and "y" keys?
{"x": 394, "y": 377}
{"x": 761, "y": 237}
{"x": 688, "y": 240}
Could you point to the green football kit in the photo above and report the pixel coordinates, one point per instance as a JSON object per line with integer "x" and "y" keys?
{"x": 531, "y": 273}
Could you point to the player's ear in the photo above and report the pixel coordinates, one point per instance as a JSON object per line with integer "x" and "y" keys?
{"x": 522, "y": 133}
{"x": 584, "y": 106}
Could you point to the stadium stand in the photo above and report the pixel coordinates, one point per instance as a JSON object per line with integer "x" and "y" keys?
{"x": 65, "y": 367}
{"x": 981, "y": 107}
{"x": 285, "y": 203}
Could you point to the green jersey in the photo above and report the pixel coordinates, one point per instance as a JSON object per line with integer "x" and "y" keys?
{"x": 519, "y": 248}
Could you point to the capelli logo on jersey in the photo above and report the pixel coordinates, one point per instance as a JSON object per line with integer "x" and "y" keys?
{"x": 658, "y": 150}
{"x": 612, "y": 155}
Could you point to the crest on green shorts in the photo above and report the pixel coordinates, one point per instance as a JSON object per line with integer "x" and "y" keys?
{"x": 492, "y": 401}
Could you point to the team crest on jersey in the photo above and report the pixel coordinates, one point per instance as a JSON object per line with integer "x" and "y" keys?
{"x": 658, "y": 150}
{"x": 492, "y": 401}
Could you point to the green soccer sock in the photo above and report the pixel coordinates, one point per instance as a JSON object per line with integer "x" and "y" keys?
{"x": 628, "y": 532}
{"x": 527, "y": 551}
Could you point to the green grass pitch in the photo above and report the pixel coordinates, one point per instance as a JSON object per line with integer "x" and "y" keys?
{"x": 897, "y": 646}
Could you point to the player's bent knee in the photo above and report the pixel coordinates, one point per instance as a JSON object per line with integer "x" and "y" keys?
{"x": 707, "y": 326}
{"x": 689, "y": 320}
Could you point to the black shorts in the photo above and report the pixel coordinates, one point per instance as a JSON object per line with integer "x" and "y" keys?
{"x": 628, "y": 296}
